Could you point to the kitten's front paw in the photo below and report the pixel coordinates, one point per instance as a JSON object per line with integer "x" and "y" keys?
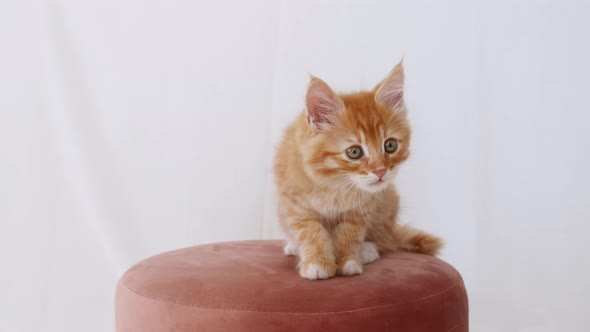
{"x": 291, "y": 249}
{"x": 315, "y": 270}
{"x": 351, "y": 267}
{"x": 368, "y": 252}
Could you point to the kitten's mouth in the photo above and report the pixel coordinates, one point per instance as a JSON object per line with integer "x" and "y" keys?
{"x": 375, "y": 186}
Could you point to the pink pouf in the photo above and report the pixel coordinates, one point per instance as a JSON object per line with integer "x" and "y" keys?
{"x": 252, "y": 286}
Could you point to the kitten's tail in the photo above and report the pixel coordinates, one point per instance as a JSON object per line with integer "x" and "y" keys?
{"x": 407, "y": 238}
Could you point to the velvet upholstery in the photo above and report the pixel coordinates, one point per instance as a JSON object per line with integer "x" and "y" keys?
{"x": 252, "y": 286}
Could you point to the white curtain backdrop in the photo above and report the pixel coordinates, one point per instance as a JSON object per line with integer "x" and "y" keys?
{"x": 132, "y": 127}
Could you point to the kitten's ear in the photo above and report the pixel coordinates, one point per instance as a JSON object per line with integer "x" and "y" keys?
{"x": 390, "y": 92}
{"x": 322, "y": 105}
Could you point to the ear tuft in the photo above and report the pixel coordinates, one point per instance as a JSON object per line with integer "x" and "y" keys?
{"x": 321, "y": 104}
{"x": 390, "y": 92}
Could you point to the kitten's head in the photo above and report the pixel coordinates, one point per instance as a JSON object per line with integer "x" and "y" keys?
{"x": 356, "y": 140}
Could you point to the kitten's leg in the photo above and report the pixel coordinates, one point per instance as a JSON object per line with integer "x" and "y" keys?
{"x": 349, "y": 238}
{"x": 368, "y": 252}
{"x": 291, "y": 248}
{"x": 316, "y": 251}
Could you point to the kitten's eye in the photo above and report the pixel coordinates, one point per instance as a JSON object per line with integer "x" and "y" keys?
{"x": 390, "y": 145}
{"x": 354, "y": 152}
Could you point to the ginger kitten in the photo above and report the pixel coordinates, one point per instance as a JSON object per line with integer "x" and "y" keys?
{"x": 334, "y": 171}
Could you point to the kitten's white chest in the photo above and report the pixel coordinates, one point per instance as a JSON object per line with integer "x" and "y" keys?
{"x": 331, "y": 205}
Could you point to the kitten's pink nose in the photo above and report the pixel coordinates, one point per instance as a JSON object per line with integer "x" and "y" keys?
{"x": 380, "y": 172}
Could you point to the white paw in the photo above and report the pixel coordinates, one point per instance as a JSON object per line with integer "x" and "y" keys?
{"x": 291, "y": 249}
{"x": 314, "y": 271}
{"x": 368, "y": 252}
{"x": 351, "y": 268}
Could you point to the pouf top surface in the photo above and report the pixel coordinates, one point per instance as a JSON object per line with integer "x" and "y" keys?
{"x": 256, "y": 276}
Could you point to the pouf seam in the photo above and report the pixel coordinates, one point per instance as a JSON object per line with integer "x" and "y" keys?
{"x": 456, "y": 327}
{"x": 458, "y": 283}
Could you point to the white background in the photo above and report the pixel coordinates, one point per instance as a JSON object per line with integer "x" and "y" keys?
{"x": 132, "y": 127}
